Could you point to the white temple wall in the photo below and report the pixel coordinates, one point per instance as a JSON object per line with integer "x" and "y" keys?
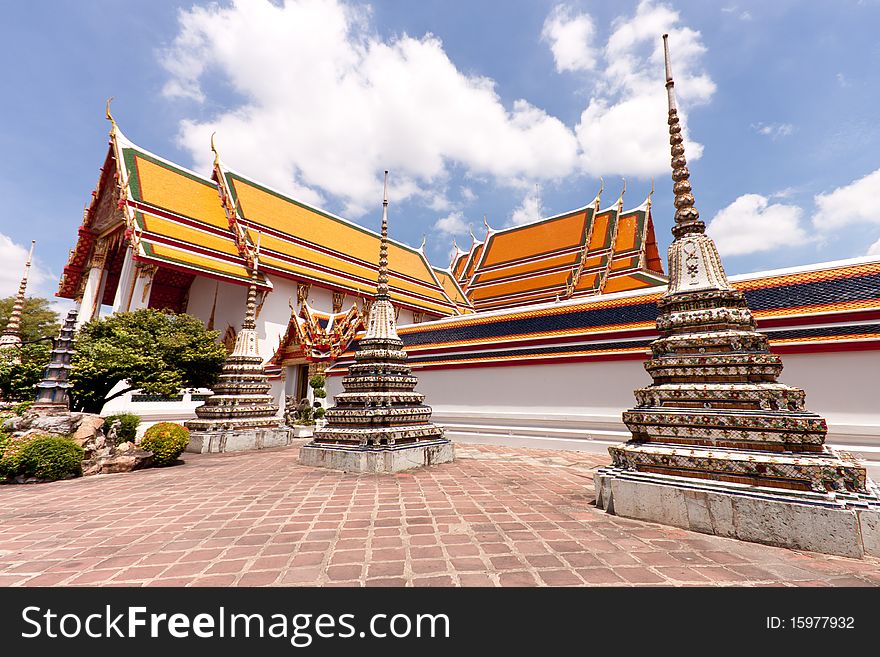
{"x": 231, "y": 300}
{"x": 578, "y": 406}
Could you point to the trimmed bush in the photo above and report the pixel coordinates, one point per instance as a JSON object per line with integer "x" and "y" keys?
{"x": 44, "y": 457}
{"x": 51, "y": 458}
{"x": 12, "y": 458}
{"x": 166, "y": 440}
{"x": 319, "y": 412}
{"x": 128, "y": 426}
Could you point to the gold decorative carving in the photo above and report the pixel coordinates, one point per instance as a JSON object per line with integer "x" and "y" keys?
{"x": 338, "y": 300}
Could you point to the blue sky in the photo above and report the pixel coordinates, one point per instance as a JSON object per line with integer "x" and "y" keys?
{"x": 470, "y": 104}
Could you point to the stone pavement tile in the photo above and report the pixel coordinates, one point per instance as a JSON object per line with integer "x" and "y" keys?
{"x": 476, "y": 579}
{"x": 544, "y": 561}
{"x": 263, "y": 578}
{"x": 560, "y": 578}
{"x": 386, "y": 569}
{"x": 581, "y": 559}
{"x": 638, "y": 575}
{"x": 468, "y": 564}
{"x": 347, "y": 572}
{"x": 443, "y": 580}
{"x": 137, "y": 573}
{"x": 93, "y": 577}
{"x": 603, "y": 576}
{"x": 681, "y": 574}
{"x": 48, "y": 579}
{"x": 518, "y": 578}
{"x": 423, "y": 566}
{"x": 232, "y": 566}
{"x": 507, "y": 562}
{"x": 214, "y": 580}
{"x": 348, "y": 556}
{"x": 172, "y": 581}
{"x": 717, "y": 573}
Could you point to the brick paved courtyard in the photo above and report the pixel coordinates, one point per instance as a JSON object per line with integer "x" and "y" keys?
{"x": 497, "y": 516}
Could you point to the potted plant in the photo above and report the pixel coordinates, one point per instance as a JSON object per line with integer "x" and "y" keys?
{"x": 320, "y": 394}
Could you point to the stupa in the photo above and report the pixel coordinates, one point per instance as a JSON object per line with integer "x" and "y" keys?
{"x": 379, "y": 424}
{"x": 718, "y": 445}
{"x": 52, "y": 392}
{"x": 241, "y": 414}
{"x": 11, "y": 338}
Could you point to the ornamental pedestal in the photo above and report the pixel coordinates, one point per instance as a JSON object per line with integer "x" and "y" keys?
{"x": 718, "y": 445}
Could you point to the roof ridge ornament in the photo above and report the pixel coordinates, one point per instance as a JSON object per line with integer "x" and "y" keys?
{"x": 650, "y": 197}
{"x": 486, "y": 224}
{"x": 113, "y": 127}
{"x": 215, "y": 151}
{"x": 620, "y": 198}
{"x": 687, "y": 217}
{"x": 598, "y": 199}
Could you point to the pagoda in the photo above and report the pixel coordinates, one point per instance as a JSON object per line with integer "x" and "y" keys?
{"x": 379, "y": 424}
{"x": 52, "y": 392}
{"x": 718, "y": 445}
{"x": 241, "y": 413}
{"x": 11, "y": 338}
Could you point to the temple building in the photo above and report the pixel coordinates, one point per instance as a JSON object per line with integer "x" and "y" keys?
{"x": 536, "y": 335}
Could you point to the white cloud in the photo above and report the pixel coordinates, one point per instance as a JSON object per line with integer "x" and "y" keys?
{"x": 773, "y": 130}
{"x": 621, "y": 131}
{"x": 13, "y": 256}
{"x": 853, "y": 203}
{"x": 328, "y": 104}
{"x": 751, "y": 224}
{"x": 874, "y": 249}
{"x": 570, "y": 36}
{"x": 529, "y": 210}
{"x": 452, "y": 224}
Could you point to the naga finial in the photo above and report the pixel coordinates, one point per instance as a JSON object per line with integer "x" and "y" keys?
{"x": 598, "y": 198}
{"x": 486, "y": 224}
{"x": 649, "y": 200}
{"x": 113, "y": 126}
{"x": 214, "y": 150}
{"x": 620, "y": 198}
{"x": 424, "y": 240}
{"x": 687, "y": 218}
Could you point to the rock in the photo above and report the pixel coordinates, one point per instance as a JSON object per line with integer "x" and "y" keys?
{"x": 134, "y": 459}
{"x": 89, "y": 425}
{"x": 124, "y": 447}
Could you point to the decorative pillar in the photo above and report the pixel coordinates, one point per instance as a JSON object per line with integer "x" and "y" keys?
{"x": 90, "y": 306}
{"x": 143, "y": 282}
{"x": 122, "y": 299}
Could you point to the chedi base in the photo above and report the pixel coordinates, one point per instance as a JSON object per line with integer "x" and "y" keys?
{"x": 240, "y": 440}
{"x": 842, "y": 524}
{"x": 377, "y": 459}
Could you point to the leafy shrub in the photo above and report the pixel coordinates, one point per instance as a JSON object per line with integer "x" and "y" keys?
{"x": 166, "y": 440}
{"x": 12, "y": 458}
{"x": 44, "y": 457}
{"x": 21, "y": 408}
{"x": 319, "y": 412}
{"x": 51, "y": 458}
{"x": 127, "y": 428}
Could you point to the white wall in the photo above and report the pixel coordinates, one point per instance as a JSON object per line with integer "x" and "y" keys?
{"x": 579, "y": 405}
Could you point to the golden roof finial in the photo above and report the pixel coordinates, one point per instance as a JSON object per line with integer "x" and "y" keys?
{"x": 113, "y": 126}
{"x": 687, "y": 218}
{"x": 486, "y": 224}
{"x": 620, "y": 198}
{"x": 598, "y": 198}
{"x": 473, "y": 237}
{"x": 214, "y": 150}
{"x": 424, "y": 240}
{"x": 648, "y": 200}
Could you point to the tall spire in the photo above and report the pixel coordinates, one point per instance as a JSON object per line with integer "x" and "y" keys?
{"x": 687, "y": 218}
{"x": 382, "y": 284}
{"x": 381, "y": 322}
{"x": 12, "y": 334}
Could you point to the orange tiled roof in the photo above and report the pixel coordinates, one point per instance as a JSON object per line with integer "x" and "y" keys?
{"x": 578, "y": 253}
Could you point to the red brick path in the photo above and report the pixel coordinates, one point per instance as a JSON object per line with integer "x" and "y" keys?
{"x": 497, "y": 516}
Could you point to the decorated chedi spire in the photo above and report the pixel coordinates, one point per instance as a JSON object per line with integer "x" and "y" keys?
{"x": 11, "y": 338}
{"x": 241, "y": 406}
{"x": 379, "y": 423}
{"x": 718, "y": 444}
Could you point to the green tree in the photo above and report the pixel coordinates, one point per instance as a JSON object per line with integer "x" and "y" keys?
{"x": 17, "y": 380}
{"x": 38, "y": 320}
{"x": 156, "y": 352}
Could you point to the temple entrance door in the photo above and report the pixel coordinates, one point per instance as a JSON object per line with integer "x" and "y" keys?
{"x": 302, "y": 381}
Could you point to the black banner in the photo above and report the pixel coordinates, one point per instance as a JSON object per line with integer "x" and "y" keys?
{"x": 433, "y": 621}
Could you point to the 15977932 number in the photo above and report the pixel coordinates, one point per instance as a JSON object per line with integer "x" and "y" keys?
{"x": 811, "y": 623}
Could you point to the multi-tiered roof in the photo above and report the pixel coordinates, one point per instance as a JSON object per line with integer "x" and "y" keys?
{"x": 580, "y": 253}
